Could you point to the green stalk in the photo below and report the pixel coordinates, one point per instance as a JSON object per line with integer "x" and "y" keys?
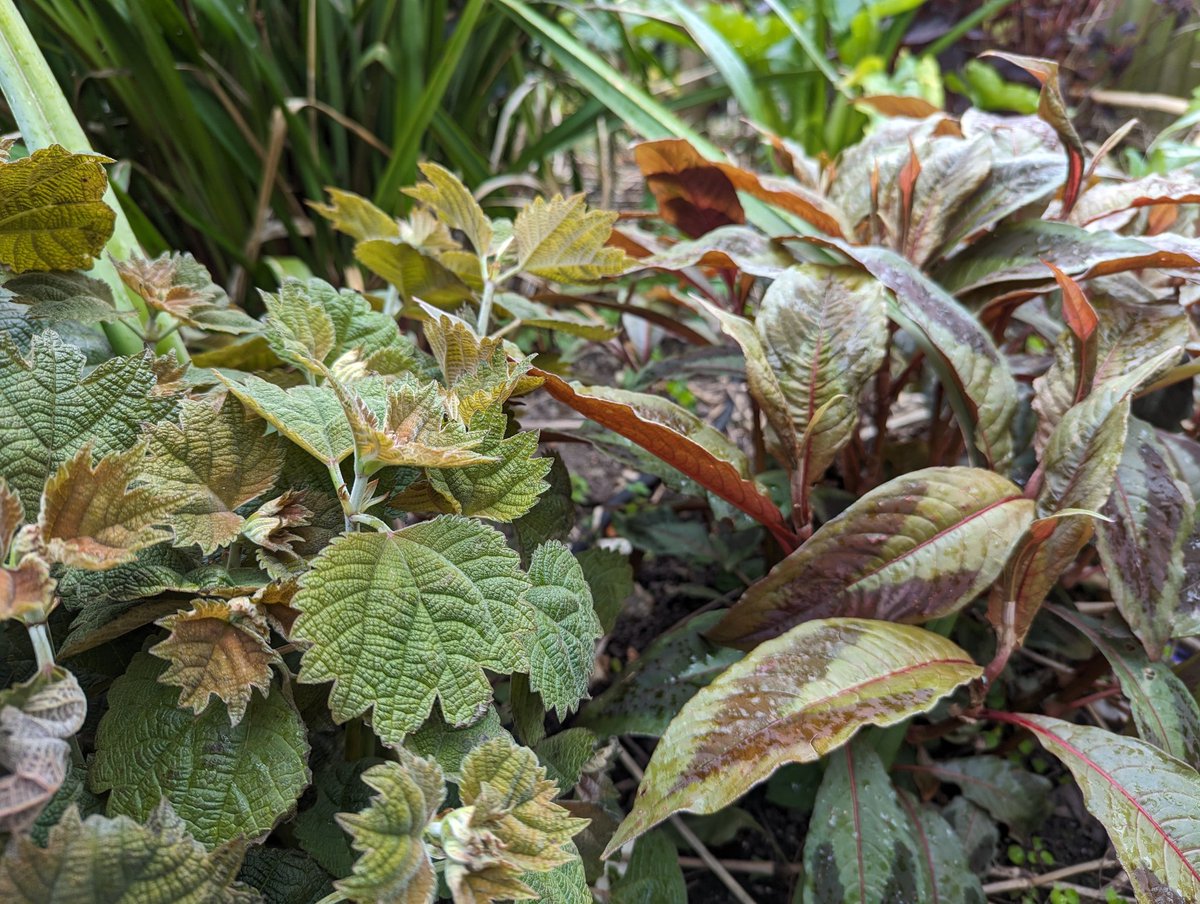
{"x": 45, "y": 118}
{"x": 965, "y": 24}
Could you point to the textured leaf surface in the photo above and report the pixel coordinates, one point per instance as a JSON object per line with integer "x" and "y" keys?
{"x": 397, "y": 620}
{"x": 394, "y": 865}
{"x": 565, "y": 884}
{"x": 449, "y": 199}
{"x": 948, "y": 877}
{"x": 284, "y": 875}
{"x": 653, "y": 875}
{"x": 448, "y": 746}
{"x": 971, "y": 368}
{"x": 48, "y": 409}
{"x": 217, "y": 648}
{"x": 562, "y": 240}
{"x": 1147, "y": 800}
{"x": 57, "y": 296}
{"x": 224, "y": 780}
{"x": 92, "y": 519}
{"x": 36, "y": 719}
{"x": 338, "y": 789}
{"x": 863, "y": 849}
{"x": 792, "y": 699}
{"x": 51, "y": 213}
{"x": 101, "y": 859}
{"x": 179, "y": 285}
{"x": 563, "y": 649}
{"x": 918, "y": 547}
{"x": 1009, "y": 793}
{"x": 26, "y": 590}
{"x": 610, "y": 577}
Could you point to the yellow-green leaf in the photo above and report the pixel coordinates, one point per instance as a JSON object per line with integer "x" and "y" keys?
{"x": 448, "y": 198}
{"x": 562, "y": 240}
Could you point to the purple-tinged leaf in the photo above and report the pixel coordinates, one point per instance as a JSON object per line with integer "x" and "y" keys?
{"x": 1116, "y": 197}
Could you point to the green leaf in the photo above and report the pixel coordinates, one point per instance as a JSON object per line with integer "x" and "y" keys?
{"x": 948, "y": 176}
{"x": 1149, "y": 802}
{"x": 412, "y": 272}
{"x": 398, "y": 620}
{"x": 974, "y": 373}
{"x": 653, "y": 875}
{"x": 453, "y": 204}
{"x": 945, "y": 534}
{"x": 51, "y": 213}
{"x": 56, "y": 296}
{"x": 284, "y": 875}
{"x": 101, "y": 859}
{"x": 943, "y": 856}
{"x": 393, "y": 864}
{"x": 49, "y": 410}
{"x": 338, "y": 790}
{"x": 566, "y": 754}
{"x": 552, "y": 516}
{"x": 541, "y": 316}
{"x": 977, "y": 831}
{"x": 477, "y": 372}
{"x": 562, "y": 240}
{"x": 448, "y": 746}
{"x": 72, "y": 792}
{"x": 610, "y": 577}
{"x": 565, "y": 884}
{"x": 177, "y": 284}
{"x": 562, "y": 653}
{"x": 648, "y": 695}
{"x": 226, "y": 781}
{"x": 791, "y": 700}
{"x": 356, "y": 216}
{"x": 1009, "y": 793}
{"x": 221, "y": 458}
{"x": 862, "y": 850}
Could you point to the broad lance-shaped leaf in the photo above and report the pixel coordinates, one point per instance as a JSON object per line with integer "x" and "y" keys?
{"x": 563, "y": 649}
{"x": 653, "y": 875}
{"x": 225, "y": 781}
{"x": 978, "y": 383}
{"x": 677, "y": 437}
{"x": 51, "y": 213}
{"x": 862, "y": 849}
{"x": 948, "y": 177}
{"x": 944, "y": 857}
{"x": 562, "y": 240}
{"x": 49, "y": 410}
{"x": 919, "y": 547}
{"x": 397, "y": 620}
{"x": 36, "y": 718}
{"x": 222, "y": 457}
{"x": 1010, "y": 793}
{"x": 92, "y": 519}
{"x": 102, "y": 859}
{"x": 791, "y": 700}
{"x": 394, "y": 864}
{"x": 1152, "y": 515}
{"x": 1147, "y": 800}
{"x": 217, "y": 648}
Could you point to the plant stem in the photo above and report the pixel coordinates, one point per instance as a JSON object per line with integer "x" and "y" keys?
{"x": 43, "y": 648}
{"x": 485, "y": 307}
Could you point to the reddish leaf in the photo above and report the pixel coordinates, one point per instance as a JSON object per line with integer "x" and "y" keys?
{"x": 692, "y": 193}
{"x": 1082, "y": 321}
{"x": 1115, "y": 197}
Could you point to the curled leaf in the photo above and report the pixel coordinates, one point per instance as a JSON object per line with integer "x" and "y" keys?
{"x": 177, "y": 284}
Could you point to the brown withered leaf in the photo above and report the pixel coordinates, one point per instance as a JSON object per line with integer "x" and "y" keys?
{"x": 220, "y": 648}
{"x": 270, "y": 526}
{"x": 92, "y": 519}
{"x": 691, "y": 192}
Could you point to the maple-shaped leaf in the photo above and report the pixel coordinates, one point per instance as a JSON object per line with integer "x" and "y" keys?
{"x": 397, "y": 620}
{"x": 563, "y": 650}
{"x": 454, "y": 205}
{"x": 48, "y": 409}
{"x": 60, "y": 296}
{"x": 36, "y": 718}
{"x": 414, "y": 272}
{"x": 394, "y": 864}
{"x": 273, "y": 523}
{"x": 224, "y": 780}
{"x": 179, "y": 285}
{"x": 102, "y": 859}
{"x": 92, "y": 519}
{"x": 562, "y": 240}
{"x": 51, "y": 213}
{"x": 221, "y": 458}
{"x": 509, "y": 824}
{"x": 477, "y": 372}
{"x": 219, "y": 648}
{"x": 355, "y": 216}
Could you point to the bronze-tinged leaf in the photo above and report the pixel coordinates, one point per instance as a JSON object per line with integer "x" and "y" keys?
{"x": 12, "y": 516}
{"x": 788, "y": 194}
{"x": 1052, "y": 108}
{"x": 792, "y": 699}
{"x": 412, "y": 271}
{"x": 52, "y": 216}
{"x": 1115, "y": 197}
{"x": 26, "y": 590}
{"x": 355, "y": 216}
{"x": 36, "y": 718}
{"x": 1147, "y": 800}
{"x": 92, "y": 519}
{"x": 692, "y": 193}
{"x": 919, "y": 547}
{"x": 217, "y": 648}
{"x": 948, "y": 177}
{"x": 1082, "y": 321}
{"x": 654, "y": 432}
{"x": 177, "y": 284}
{"x": 724, "y": 248}
{"x": 976, "y": 377}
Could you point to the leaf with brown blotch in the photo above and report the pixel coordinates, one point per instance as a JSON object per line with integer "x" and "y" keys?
{"x": 1114, "y": 197}
{"x": 221, "y": 457}
{"x": 36, "y": 718}
{"x": 692, "y": 193}
{"x": 1147, "y": 800}
{"x": 977, "y": 380}
{"x": 657, "y": 435}
{"x": 218, "y": 648}
{"x": 948, "y": 177}
{"x": 92, "y": 519}
{"x": 724, "y": 248}
{"x": 791, "y": 700}
{"x": 919, "y": 547}
{"x": 1052, "y": 108}
{"x": 1151, "y": 516}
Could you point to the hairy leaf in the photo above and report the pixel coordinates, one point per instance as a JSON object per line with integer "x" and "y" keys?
{"x": 92, "y": 519}
{"x": 564, "y": 884}
{"x": 51, "y": 213}
{"x": 398, "y": 620}
{"x": 225, "y": 780}
{"x": 919, "y": 547}
{"x": 477, "y": 372}
{"x": 562, "y": 240}
{"x": 448, "y": 746}
{"x": 791, "y": 699}
{"x": 412, "y": 272}
{"x": 220, "y": 456}
{"x": 552, "y": 516}
{"x": 12, "y": 516}
{"x": 57, "y": 296}
{"x": 610, "y": 577}
{"x": 179, "y": 285}
{"x": 338, "y": 790}
{"x": 26, "y": 590}
{"x": 355, "y": 216}
{"x": 394, "y": 865}
{"x": 449, "y": 200}
{"x": 1146, "y": 799}
{"x": 285, "y": 875}
{"x": 102, "y": 859}
{"x": 49, "y": 410}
